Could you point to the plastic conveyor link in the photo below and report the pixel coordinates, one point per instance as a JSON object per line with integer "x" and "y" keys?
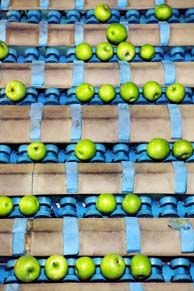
{"x": 133, "y": 16}
{"x": 116, "y": 153}
{"x": 55, "y": 96}
{"x": 85, "y": 207}
{"x": 60, "y": 55}
{"x": 174, "y": 270}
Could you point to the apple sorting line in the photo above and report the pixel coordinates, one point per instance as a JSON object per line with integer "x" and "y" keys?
{"x": 84, "y": 155}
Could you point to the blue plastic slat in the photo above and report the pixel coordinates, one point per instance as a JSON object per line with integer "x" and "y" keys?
{"x": 159, "y": 2}
{"x": 164, "y": 33}
{"x": 175, "y": 121}
{"x": 43, "y": 33}
{"x": 36, "y": 112}
{"x": 136, "y": 287}
{"x": 18, "y": 240}
{"x": 123, "y": 123}
{"x": 71, "y": 169}
{"x": 37, "y": 73}
{"x": 187, "y": 239}
{"x": 71, "y": 236}
{"x": 76, "y": 116}
{"x": 78, "y": 33}
{"x": 5, "y": 4}
{"x": 128, "y": 176}
{"x": 79, "y": 4}
{"x": 133, "y": 235}
{"x": 122, "y": 4}
{"x": 12, "y": 287}
{"x": 181, "y": 176}
{"x": 44, "y": 4}
{"x": 3, "y": 27}
{"x": 78, "y": 73}
{"x": 124, "y": 72}
{"x": 169, "y": 72}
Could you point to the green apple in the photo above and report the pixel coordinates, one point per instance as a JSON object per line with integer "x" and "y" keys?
{"x": 83, "y": 51}
{"x": 36, "y": 151}
{"x": 152, "y": 90}
{"x": 4, "y": 50}
{"x": 126, "y": 51}
{"x": 27, "y": 269}
{"x": 56, "y": 267}
{"x": 129, "y": 92}
{"x": 182, "y": 149}
{"x": 106, "y": 203}
{"x": 158, "y": 149}
{"x": 175, "y": 93}
{"x": 6, "y": 206}
{"x": 85, "y": 150}
{"x": 112, "y": 266}
{"x": 84, "y": 268}
{"x": 116, "y": 33}
{"x": 15, "y": 90}
{"x": 104, "y": 51}
{"x": 107, "y": 93}
{"x": 29, "y": 205}
{"x": 102, "y": 12}
{"x": 147, "y": 52}
{"x": 131, "y": 204}
{"x": 140, "y": 267}
{"x": 163, "y": 12}
{"x": 84, "y": 92}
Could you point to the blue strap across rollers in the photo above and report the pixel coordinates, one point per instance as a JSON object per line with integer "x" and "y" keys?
{"x": 36, "y": 112}
{"x": 12, "y": 287}
{"x": 175, "y": 121}
{"x": 76, "y": 117}
{"x": 77, "y": 73}
{"x": 44, "y": 4}
{"x": 71, "y": 169}
{"x": 18, "y": 239}
{"x": 128, "y": 176}
{"x": 187, "y": 239}
{"x": 43, "y": 33}
{"x": 78, "y": 33}
{"x": 123, "y": 123}
{"x": 186, "y": 233}
{"x": 133, "y": 235}
{"x": 164, "y": 32}
{"x": 79, "y": 4}
{"x": 169, "y": 72}
{"x": 122, "y": 4}
{"x": 5, "y": 4}
{"x": 37, "y": 73}
{"x": 124, "y": 72}
{"x": 3, "y": 26}
{"x": 159, "y": 2}
{"x": 71, "y": 236}
{"x": 136, "y": 287}
{"x": 181, "y": 176}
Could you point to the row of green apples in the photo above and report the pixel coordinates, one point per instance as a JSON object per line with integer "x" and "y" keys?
{"x": 105, "y": 203}
{"x": 157, "y": 149}
{"x": 104, "y": 50}
{"x": 129, "y": 92}
{"x": 27, "y": 268}
{"x": 103, "y": 13}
